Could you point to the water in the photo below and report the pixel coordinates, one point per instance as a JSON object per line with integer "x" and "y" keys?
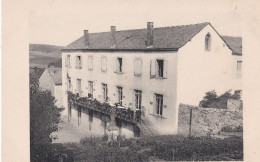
{"x": 82, "y": 122}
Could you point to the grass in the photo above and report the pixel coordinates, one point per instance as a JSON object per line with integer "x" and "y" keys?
{"x": 161, "y": 147}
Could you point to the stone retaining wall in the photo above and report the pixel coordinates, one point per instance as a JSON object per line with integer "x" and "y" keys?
{"x": 206, "y": 121}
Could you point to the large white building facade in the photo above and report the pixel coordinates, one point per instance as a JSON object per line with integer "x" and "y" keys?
{"x": 152, "y": 69}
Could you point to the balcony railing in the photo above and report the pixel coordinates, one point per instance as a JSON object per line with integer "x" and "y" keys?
{"x": 122, "y": 113}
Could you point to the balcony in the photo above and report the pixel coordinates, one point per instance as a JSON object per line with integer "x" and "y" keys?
{"x": 125, "y": 114}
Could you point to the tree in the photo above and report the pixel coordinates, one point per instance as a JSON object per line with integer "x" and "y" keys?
{"x": 212, "y": 100}
{"x": 56, "y": 64}
{"x": 44, "y": 119}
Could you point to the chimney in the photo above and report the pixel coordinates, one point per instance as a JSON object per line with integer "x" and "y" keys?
{"x": 113, "y": 34}
{"x": 86, "y": 38}
{"x": 149, "y": 41}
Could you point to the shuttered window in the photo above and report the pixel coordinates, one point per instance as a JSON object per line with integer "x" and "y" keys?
{"x": 90, "y": 89}
{"x": 67, "y": 64}
{"x": 138, "y": 67}
{"x": 79, "y": 85}
{"x": 103, "y": 64}
{"x": 104, "y": 90}
{"x": 239, "y": 65}
{"x": 159, "y": 104}
{"x": 158, "y": 68}
{"x": 90, "y": 63}
{"x": 78, "y": 62}
{"x": 119, "y": 65}
{"x": 138, "y": 99}
{"x": 120, "y": 95}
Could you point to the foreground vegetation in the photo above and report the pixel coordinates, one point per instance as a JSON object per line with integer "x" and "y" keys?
{"x": 167, "y": 148}
{"x": 44, "y": 119}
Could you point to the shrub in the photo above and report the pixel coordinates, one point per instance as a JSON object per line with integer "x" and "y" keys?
{"x": 44, "y": 120}
{"x": 232, "y": 129}
{"x": 212, "y": 100}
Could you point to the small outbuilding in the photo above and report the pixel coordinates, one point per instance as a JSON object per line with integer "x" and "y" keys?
{"x": 51, "y": 80}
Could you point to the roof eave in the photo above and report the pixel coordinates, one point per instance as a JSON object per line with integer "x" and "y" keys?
{"x": 236, "y": 53}
{"x": 126, "y": 50}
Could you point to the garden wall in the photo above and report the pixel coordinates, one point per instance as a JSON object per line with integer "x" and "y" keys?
{"x": 234, "y": 104}
{"x": 206, "y": 121}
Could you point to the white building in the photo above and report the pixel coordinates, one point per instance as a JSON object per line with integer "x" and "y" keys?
{"x": 153, "y": 69}
{"x": 51, "y": 79}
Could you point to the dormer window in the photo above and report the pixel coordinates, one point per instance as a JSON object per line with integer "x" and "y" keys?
{"x": 207, "y": 42}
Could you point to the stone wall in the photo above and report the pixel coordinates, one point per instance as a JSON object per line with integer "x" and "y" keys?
{"x": 206, "y": 121}
{"x": 234, "y": 104}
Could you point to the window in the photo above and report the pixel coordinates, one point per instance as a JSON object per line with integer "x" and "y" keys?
{"x": 90, "y": 63}
{"x": 239, "y": 65}
{"x": 104, "y": 89}
{"x": 90, "y": 89}
{"x": 120, "y": 95}
{"x": 159, "y": 104}
{"x": 69, "y": 84}
{"x": 103, "y": 64}
{"x": 79, "y": 85}
{"x": 207, "y": 42}
{"x": 138, "y": 99}
{"x": 159, "y": 72}
{"x": 158, "y": 68}
{"x": 78, "y": 62}
{"x": 119, "y": 63}
{"x": 138, "y": 67}
{"x": 67, "y": 64}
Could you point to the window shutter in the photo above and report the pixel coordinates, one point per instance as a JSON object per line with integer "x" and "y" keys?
{"x": 138, "y": 66}
{"x": 165, "y": 69}
{"x": 90, "y": 62}
{"x": 81, "y": 61}
{"x": 123, "y": 67}
{"x": 116, "y": 64}
{"x": 76, "y": 61}
{"x": 102, "y": 63}
{"x": 105, "y": 64}
{"x": 152, "y": 68}
{"x": 135, "y": 67}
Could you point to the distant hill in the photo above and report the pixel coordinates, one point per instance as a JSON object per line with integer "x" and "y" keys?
{"x": 45, "y": 48}
{"x": 41, "y": 55}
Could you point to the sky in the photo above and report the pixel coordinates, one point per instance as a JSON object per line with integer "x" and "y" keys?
{"x": 60, "y": 22}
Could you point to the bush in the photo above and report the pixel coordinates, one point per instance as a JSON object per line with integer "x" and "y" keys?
{"x": 165, "y": 147}
{"x": 44, "y": 120}
{"x": 56, "y": 64}
{"x": 213, "y": 101}
{"x": 92, "y": 141}
{"x": 232, "y": 129}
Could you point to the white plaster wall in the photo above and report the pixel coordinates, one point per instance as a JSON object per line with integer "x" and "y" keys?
{"x": 58, "y": 95}
{"x": 200, "y": 71}
{"x": 46, "y": 82}
{"x": 129, "y": 82}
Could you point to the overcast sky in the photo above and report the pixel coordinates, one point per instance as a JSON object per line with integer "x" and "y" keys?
{"x": 59, "y": 22}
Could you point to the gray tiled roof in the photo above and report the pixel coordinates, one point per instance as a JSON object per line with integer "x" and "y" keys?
{"x": 235, "y": 43}
{"x": 164, "y": 38}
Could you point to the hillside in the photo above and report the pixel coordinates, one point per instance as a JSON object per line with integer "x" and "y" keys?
{"x": 45, "y": 48}
{"x": 41, "y": 55}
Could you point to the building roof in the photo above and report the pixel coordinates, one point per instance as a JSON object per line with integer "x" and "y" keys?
{"x": 56, "y": 75}
{"x": 164, "y": 38}
{"x": 235, "y": 43}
